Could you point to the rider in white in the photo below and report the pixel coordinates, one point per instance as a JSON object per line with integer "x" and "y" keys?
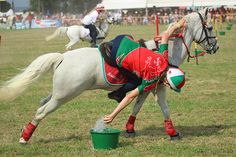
{"x": 89, "y": 20}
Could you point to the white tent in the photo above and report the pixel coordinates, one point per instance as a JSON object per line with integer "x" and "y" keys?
{"x": 124, "y": 4}
{"x": 134, "y": 4}
{"x": 189, "y": 3}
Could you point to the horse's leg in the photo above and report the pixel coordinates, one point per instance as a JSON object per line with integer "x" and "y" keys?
{"x": 137, "y": 106}
{"x": 45, "y": 100}
{"x": 73, "y": 40}
{"x": 42, "y": 112}
{"x": 71, "y": 44}
{"x": 161, "y": 99}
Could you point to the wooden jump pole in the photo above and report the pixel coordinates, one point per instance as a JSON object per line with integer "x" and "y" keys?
{"x": 157, "y": 26}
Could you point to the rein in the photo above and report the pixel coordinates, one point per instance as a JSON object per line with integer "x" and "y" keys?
{"x": 105, "y": 33}
{"x": 180, "y": 35}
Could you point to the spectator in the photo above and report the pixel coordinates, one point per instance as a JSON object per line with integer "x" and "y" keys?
{"x": 30, "y": 18}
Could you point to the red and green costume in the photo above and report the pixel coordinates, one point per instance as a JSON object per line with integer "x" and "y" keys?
{"x": 146, "y": 64}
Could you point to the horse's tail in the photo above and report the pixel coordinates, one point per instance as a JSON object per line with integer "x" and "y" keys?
{"x": 57, "y": 32}
{"x": 14, "y": 87}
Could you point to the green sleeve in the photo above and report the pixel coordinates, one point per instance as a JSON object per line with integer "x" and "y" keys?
{"x": 147, "y": 83}
{"x": 141, "y": 88}
{"x": 163, "y": 47}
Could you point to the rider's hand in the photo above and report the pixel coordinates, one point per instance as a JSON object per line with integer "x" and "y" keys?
{"x": 108, "y": 119}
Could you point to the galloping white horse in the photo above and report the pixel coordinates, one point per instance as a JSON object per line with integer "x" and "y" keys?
{"x": 77, "y": 32}
{"x": 11, "y": 18}
{"x": 86, "y": 73}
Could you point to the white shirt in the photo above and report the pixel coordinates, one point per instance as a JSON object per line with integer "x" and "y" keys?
{"x": 90, "y": 18}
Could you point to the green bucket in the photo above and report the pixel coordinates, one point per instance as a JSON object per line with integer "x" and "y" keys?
{"x": 222, "y": 32}
{"x": 228, "y": 27}
{"x": 107, "y": 139}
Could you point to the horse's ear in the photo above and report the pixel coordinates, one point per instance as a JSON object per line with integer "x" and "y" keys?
{"x": 206, "y": 11}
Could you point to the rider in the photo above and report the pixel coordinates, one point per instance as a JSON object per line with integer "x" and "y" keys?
{"x": 151, "y": 69}
{"x": 89, "y": 20}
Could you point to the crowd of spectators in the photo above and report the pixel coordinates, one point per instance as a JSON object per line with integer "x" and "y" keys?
{"x": 167, "y": 16}
{"x": 132, "y": 17}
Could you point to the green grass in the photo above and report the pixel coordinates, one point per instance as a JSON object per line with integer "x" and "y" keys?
{"x": 204, "y": 112}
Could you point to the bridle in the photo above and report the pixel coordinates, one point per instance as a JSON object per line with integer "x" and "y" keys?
{"x": 200, "y": 40}
{"x": 101, "y": 29}
{"x": 210, "y": 46}
{"x": 204, "y": 29}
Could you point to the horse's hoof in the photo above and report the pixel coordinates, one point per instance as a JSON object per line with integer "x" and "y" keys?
{"x": 22, "y": 141}
{"x": 129, "y": 134}
{"x": 175, "y": 137}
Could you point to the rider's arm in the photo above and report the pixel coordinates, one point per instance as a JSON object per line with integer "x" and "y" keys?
{"x": 94, "y": 16}
{"x": 124, "y": 103}
{"x": 167, "y": 34}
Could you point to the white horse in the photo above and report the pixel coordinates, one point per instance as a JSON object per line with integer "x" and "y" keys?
{"x": 77, "y": 32}
{"x": 81, "y": 69}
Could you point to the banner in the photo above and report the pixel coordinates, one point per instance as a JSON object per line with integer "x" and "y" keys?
{"x": 39, "y": 24}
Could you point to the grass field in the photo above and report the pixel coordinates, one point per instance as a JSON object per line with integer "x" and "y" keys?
{"x": 204, "y": 113}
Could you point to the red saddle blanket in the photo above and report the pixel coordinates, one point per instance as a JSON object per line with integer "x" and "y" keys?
{"x": 112, "y": 75}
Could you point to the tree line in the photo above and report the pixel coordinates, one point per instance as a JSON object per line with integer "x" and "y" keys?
{"x": 71, "y": 6}
{"x": 55, "y": 6}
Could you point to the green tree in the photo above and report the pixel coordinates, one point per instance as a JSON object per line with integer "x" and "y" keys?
{"x": 44, "y": 5}
{"x": 67, "y": 6}
{"x": 4, "y": 6}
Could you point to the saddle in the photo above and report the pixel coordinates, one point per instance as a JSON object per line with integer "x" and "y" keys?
{"x": 97, "y": 31}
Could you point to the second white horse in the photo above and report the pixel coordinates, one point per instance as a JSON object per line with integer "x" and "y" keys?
{"x": 75, "y": 33}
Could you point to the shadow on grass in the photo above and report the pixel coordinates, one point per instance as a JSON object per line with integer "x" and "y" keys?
{"x": 185, "y": 131}
{"x": 61, "y": 139}
{"x": 152, "y": 131}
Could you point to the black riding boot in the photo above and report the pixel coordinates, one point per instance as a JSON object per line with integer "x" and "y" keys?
{"x": 117, "y": 95}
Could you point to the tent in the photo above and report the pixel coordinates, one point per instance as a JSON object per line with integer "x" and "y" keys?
{"x": 138, "y": 4}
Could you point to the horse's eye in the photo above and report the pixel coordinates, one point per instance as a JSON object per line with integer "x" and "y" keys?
{"x": 210, "y": 28}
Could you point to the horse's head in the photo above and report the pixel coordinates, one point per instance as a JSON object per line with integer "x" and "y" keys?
{"x": 103, "y": 23}
{"x": 104, "y": 18}
{"x": 202, "y": 31}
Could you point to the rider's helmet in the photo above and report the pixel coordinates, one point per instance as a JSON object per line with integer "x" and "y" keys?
{"x": 100, "y": 7}
{"x": 175, "y": 78}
